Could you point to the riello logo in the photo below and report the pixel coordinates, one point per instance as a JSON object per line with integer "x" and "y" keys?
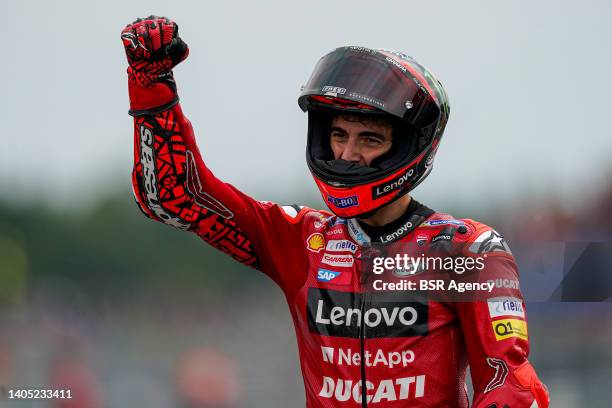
{"x": 382, "y": 314}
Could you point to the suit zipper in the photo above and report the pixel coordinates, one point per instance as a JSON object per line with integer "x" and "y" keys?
{"x": 362, "y": 336}
{"x": 364, "y": 388}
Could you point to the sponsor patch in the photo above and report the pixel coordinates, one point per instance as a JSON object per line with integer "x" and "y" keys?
{"x": 384, "y": 358}
{"x": 334, "y": 89}
{"x": 506, "y": 328}
{"x": 334, "y": 231}
{"x": 340, "y": 314}
{"x": 506, "y": 306}
{"x": 441, "y": 237}
{"x": 398, "y": 233}
{"x": 421, "y": 239}
{"x": 315, "y": 242}
{"x": 435, "y": 223}
{"x": 338, "y": 260}
{"x": 379, "y": 392}
{"x": 339, "y": 221}
{"x": 356, "y": 232}
{"x": 488, "y": 242}
{"x": 395, "y": 184}
{"x": 503, "y": 283}
{"x": 344, "y": 202}
{"x": 340, "y": 245}
{"x": 325, "y": 275}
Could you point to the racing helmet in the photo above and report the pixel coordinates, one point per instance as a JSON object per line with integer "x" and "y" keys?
{"x": 390, "y": 84}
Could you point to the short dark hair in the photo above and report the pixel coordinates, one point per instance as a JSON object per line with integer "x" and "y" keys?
{"x": 365, "y": 118}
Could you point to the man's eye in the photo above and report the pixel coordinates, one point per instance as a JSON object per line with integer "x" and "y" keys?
{"x": 338, "y": 136}
{"x": 372, "y": 141}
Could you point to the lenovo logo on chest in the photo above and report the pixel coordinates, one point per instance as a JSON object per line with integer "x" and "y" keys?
{"x": 347, "y": 314}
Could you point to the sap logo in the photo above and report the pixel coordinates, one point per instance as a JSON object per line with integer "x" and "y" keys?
{"x": 324, "y": 275}
{"x": 344, "y": 202}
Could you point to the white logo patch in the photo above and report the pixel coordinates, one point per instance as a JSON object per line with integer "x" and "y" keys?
{"x": 338, "y": 260}
{"x": 506, "y": 306}
{"x": 341, "y": 245}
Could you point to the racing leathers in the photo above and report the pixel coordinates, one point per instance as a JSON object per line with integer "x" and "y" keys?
{"x": 362, "y": 342}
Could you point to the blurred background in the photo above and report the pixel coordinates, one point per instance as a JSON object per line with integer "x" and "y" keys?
{"x": 97, "y": 298}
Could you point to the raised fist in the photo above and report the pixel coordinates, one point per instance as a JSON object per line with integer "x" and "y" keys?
{"x": 153, "y": 48}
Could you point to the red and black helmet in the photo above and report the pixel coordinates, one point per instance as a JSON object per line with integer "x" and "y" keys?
{"x": 375, "y": 82}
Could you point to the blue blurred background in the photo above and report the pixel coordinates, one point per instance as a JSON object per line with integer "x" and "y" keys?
{"x": 96, "y": 298}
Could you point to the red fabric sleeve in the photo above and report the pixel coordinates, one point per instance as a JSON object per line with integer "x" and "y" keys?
{"x": 496, "y": 336}
{"x": 172, "y": 185}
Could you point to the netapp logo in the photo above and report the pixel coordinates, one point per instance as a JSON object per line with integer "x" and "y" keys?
{"x": 340, "y": 314}
{"x": 392, "y": 185}
{"x": 344, "y": 202}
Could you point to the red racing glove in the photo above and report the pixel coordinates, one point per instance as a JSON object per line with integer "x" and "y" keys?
{"x": 153, "y": 48}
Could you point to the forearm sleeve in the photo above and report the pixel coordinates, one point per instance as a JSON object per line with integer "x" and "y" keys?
{"x": 172, "y": 185}
{"x": 495, "y": 332}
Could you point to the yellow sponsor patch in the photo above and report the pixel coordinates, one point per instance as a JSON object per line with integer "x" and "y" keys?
{"x": 506, "y": 328}
{"x": 315, "y": 242}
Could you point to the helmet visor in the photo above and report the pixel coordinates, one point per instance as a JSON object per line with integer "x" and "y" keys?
{"x": 369, "y": 77}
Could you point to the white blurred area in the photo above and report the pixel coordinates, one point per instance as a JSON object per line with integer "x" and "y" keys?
{"x": 528, "y": 85}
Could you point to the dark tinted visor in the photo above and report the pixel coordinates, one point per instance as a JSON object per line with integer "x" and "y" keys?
{"x": 366, "y": 76}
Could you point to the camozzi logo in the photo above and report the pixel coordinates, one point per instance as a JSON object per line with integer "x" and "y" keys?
{"x": 382, "y": 189}
{"x": 344, "y": 202}
{"x": 338, "y": 260}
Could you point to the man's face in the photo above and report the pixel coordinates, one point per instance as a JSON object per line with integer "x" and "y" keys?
{"x": 359, "y": 140}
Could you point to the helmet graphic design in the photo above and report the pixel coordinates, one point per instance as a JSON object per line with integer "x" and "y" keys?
{"x": 391, "y": 84}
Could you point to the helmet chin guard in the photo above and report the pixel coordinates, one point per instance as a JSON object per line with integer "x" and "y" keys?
{"x": 370, "y": 82}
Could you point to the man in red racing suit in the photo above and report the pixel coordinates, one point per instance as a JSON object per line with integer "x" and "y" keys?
{"x": 360, "y": 344}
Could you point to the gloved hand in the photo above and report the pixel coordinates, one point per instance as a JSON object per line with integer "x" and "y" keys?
{"x": 153, "y": 48}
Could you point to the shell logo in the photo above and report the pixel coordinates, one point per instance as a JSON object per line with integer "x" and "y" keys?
{"x": 315, "y": 242}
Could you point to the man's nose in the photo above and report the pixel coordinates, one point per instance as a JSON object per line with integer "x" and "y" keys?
{"x": 351, "y": 151}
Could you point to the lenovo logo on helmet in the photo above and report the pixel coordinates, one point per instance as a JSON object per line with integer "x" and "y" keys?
{"x": 392, "y": 185}
{"x": 340, "y": 314}
{"x": 345, "y": 202}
